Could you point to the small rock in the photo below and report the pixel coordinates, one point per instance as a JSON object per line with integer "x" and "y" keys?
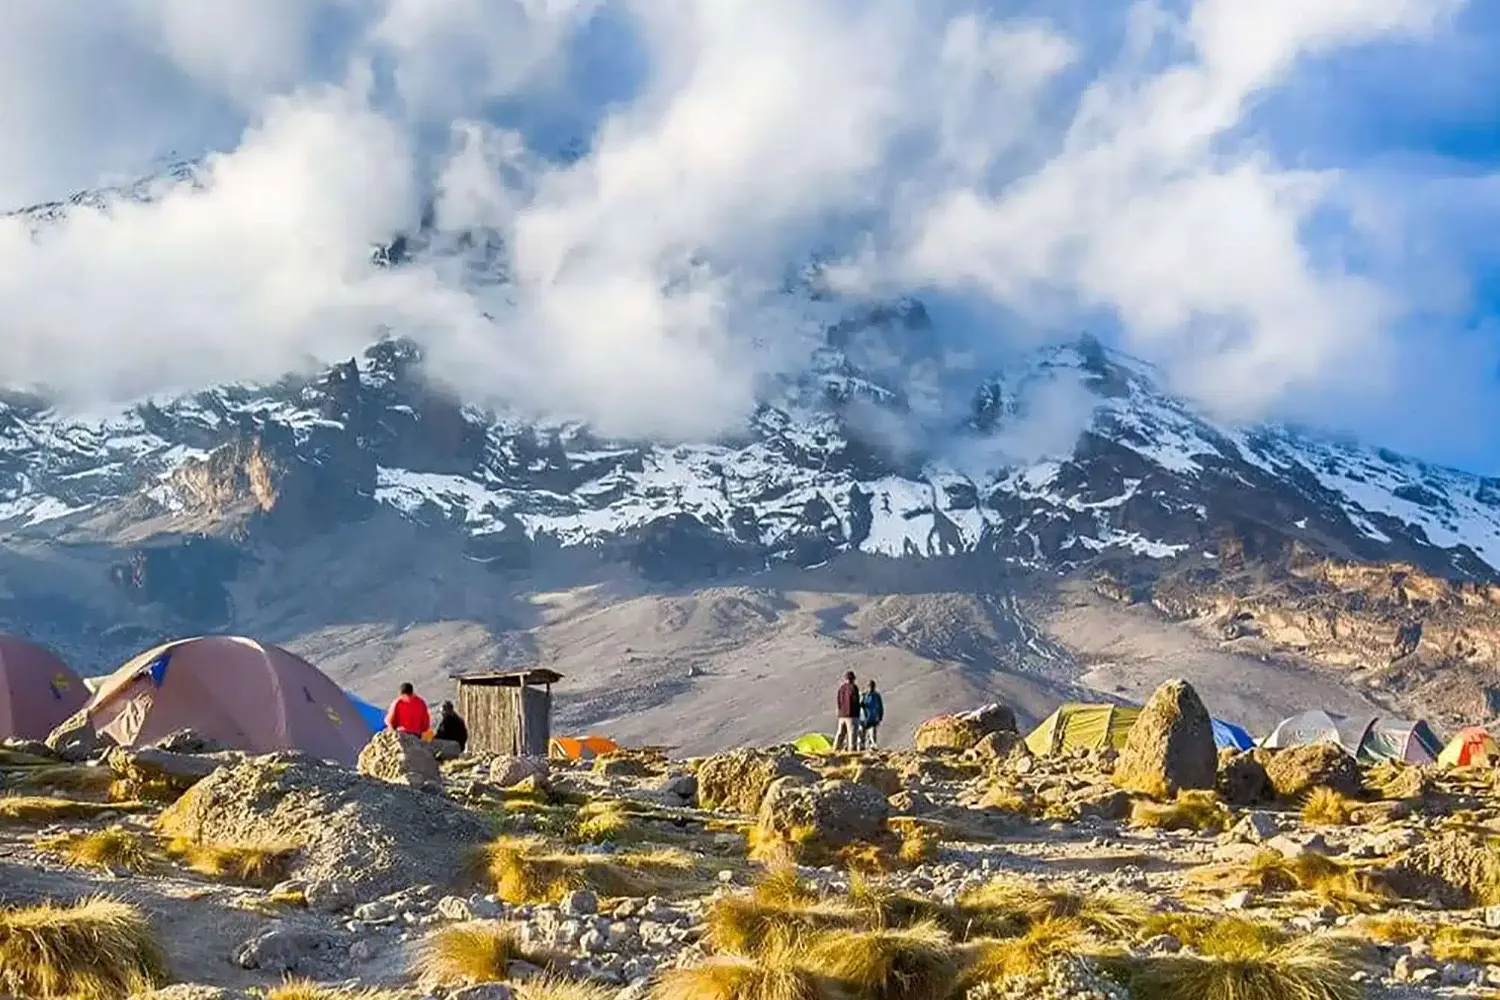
{"x": 484, "y": 991}
{"x": 283, "y": 950}
{"x": 331, "y": 896}
{"x": 593, "y": 943}
{"x": 1238, "y": 900}
{"x": 455, "y": 908}
{"x": 363, "y": 951}
{"x": 580, "y": 903}
{"x": 1255, "y": 828}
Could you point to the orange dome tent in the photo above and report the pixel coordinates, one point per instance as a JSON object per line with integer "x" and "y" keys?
{"x": 238, "y": 692}
{"x": 38, "y": 692}
{"x": 1471, "y": 747}
{"x": 582, "y": 748}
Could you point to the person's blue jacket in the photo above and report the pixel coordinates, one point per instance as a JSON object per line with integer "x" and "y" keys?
{"x": 871, "y": 709}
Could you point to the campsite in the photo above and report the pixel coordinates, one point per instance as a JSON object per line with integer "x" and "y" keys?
{"x": 263, "y": 834}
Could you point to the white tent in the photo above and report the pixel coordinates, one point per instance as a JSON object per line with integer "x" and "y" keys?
{"x": 1318, "y": 726}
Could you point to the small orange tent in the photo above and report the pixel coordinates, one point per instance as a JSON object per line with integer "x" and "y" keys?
{"x": 38, "y": 692}
{"x": 582, "y": 748}
{"x": 1471, "y": 747}
{"x": 238, "y": 692}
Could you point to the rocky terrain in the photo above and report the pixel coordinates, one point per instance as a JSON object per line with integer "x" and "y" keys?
{"x": 964, "y": 868}
{"x": 366, "y": 517}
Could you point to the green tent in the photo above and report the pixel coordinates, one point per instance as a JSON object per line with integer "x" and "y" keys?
{"x": 813, "y": 743}
{"x": 1074, "y": 726}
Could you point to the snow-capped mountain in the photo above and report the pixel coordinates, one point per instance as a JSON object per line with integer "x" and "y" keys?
{"x": 1148, "y": 476}
{"x": 1070, "y": 463}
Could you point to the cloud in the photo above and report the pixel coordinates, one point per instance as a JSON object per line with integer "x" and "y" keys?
{"x": 1117, "y": 171}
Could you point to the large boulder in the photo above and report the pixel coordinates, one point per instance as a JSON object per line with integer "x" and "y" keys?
{"x": 832, "y": 814}
{"x": 401, "y": 759}
{"x": 151, "y": 768}
{"x": 1171, "y": 746}
{"x": 374, "y": 836}
{"x": 1451, "y": 868}
{"x": 883, "y": 779}
{"x": 991, "y": 718}
{"x": 76, "y": 740}
{"x": 738, "y": 780}
{"x": 1242, "y": 779}
{"x": 507, "y": 771}
{"x": 1295, "y": 771}
{"x": 947, "y": 734}
{"x": 188, "y": 741}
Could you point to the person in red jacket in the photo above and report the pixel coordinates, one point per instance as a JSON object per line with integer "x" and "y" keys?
{"x": 409, "y": 713}
{"x": 847, "y": 737}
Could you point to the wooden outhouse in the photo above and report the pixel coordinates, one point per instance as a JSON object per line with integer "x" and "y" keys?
{"x": 508, "y": 713}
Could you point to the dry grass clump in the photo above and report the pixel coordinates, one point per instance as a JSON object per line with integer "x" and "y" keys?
{"x": 114, "y": 848}
{"x": 1470, "y": 945}
{"x": 1010, "y": 905}
{"x": 605, "y": 822}
{"x": 751, "y": 926}
{"x": 557, "y": 988}
{"x": 525, "y": 871}
{"x": 1200, "y": 811}
{"x": 1397, "y": 928}
{"x": 479, "y": 951}
{"x": 919, "y": 842}
{"x": 1008, "y": 799}
{"x": 1308, "y": 968}
{"x": 912, "y": 963}
{"x": 306, "y": 989}
{"x": 261, "y": 865}
{"x": 1346, "y": 889}
{"x": 78, "y": 778}
{"x": 98, "y": 949}
{"x": 733, "y": 978}
{"x": 886, "y": 908}
{"x": 1324, "y": 806}
{"x": 35, "y": 810}
{"x": 1215, "y": 936}
{"x": 1026, "y": 956}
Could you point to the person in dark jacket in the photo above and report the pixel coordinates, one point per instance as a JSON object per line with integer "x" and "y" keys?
{"x": 847, "y": 737}
{"x": 871, "y": 715}
{"x": 451, "y": 727}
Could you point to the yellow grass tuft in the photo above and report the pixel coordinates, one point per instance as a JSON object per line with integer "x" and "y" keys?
{"x": 1346, "y": 889}
{"x": 79, "y": 778}
{"x": 306, "y": 989}
{"x": 1324, "y": 806}
{"x": 36, "y": 810}
{"x": 733, "y": 978}
{"x": 919, "y": 844}
{"x": 1008, "y": 906}
{"x": 1005, "y": 798}
{"x": 781, "y": 886}
{"x": 1308, "y": 968}
{"x": 114, "y": 848}
{"x": 744, "y": 925}
{"x": 98, "y": 949}
{"x": 1396, "y": 928}
{"x": 556, "y": 988}
{"x": 605, "y": 823}
{"x": 1200, "y": 811}
{"x": 1216, "y": 936}
{"x": 886, "y": 908}
{"x": 912, "y": 963}
{"x": 1470, "y": 945}
{"x": 479, "y": 951}
{"x": 261, "y": 865}
{"x": 525, "y": 871}
{"x": 288, "y": 897}
{"x": 1027, "y": 956}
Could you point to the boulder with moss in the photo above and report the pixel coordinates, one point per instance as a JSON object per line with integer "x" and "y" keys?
{"x": 832, "y": 814}
{"x": 1295, "y": 771}
{"x": 738, "y": 780}
{"x": 1171, "y": 745}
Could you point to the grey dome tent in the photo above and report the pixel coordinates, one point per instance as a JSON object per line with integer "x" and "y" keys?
{"x": 1318, "y": 726}
{"x": 1404, "y": 740}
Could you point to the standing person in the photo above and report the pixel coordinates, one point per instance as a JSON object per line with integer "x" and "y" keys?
{"x": 847, "y": 737}
{"x": 451, "y": 727}
{"x": 871, "y": 714}
{"x": 408, "y": 713}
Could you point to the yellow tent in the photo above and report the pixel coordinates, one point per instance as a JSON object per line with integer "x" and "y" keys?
{"x": 1075, "y": 725}
{"x": 1470, "y": 748}
{"x": 813, "y": 743}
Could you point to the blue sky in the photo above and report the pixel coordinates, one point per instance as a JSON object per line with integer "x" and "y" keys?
{"x": 1290, "y": 207}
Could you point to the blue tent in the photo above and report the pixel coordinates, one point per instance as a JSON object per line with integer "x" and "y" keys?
{"x": 1228, "y": 736}
{"x": 375, "y": 718}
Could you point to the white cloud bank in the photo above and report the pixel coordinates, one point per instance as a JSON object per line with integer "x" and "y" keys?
{"x": 966, "y": 147}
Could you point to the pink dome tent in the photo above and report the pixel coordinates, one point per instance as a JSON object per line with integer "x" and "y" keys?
{"x": 38, "y": 691}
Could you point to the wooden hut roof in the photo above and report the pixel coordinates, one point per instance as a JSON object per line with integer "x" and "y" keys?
{"x": 511, "y": 678}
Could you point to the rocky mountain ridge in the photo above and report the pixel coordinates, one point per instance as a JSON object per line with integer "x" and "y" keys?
{"x": 1290, "y": 544}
